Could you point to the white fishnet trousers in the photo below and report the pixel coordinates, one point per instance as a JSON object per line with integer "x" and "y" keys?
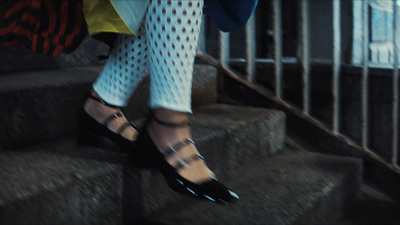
{"x": 165, "y": 47}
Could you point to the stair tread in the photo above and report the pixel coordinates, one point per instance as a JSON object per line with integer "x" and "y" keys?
{"x": 32, "y": 171}
{"x": 277, "y": 190}
{"x": 53, "y": 77}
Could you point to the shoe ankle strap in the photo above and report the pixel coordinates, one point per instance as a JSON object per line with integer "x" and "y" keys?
{"x": 169, "y": 124}
{"x": 102, "y": 101}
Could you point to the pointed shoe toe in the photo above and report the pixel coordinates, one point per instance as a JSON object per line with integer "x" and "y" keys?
{"x": 212, "y": 191}
{"x": 216, "y": 192}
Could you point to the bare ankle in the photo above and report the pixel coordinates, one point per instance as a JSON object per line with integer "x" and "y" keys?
{"x": 169, "y": 115}
{"x": 97, "y": 110}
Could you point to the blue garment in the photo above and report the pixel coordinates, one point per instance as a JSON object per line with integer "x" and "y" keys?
{"x": 230, "y": 15}
{"x": 131, "y": 12}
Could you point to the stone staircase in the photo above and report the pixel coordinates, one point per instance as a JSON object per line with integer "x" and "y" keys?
{"x": 47, "y": 179}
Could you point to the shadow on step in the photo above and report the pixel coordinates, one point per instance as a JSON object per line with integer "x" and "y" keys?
{"x": 374, "y": 212}
{"x": 132, "y": 196}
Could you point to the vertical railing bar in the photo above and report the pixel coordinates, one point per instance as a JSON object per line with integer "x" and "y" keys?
{"x": 278, "y": 47}
{"x": 365, "y": 67}
{"x": 396, "y": 48}
{"x": 224, "y": 49}
{"x": 336, "y": 65}
{"x": 305, "y": 56}
{"x": 250, "y": 48}
{"x": 201, "y": 48}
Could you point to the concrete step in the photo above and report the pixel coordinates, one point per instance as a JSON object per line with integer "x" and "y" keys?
{"x": 42, "y": 105}
{"x": 372, "y": 207}
{"x": 62, "y": 183}
{"x": 293, "y": 187}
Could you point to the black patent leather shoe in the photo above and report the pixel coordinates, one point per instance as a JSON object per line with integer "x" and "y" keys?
{"x": 210, "y": 190}
{"x": 92, "y": 133}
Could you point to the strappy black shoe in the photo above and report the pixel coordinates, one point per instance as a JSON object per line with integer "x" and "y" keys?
{"x": 211, "y": 190}
{"x": 93, "y": 133}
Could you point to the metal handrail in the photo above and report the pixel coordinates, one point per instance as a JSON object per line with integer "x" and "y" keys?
{"x": 334, "y": 129}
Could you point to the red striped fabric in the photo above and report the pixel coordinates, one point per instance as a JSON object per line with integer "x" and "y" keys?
{"x": 50, "y": 27}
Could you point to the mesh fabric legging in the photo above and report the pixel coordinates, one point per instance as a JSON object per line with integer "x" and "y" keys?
{"x": 165, "y": 47}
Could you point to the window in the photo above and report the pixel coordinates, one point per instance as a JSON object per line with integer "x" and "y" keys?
{"x": 380, "y": 25}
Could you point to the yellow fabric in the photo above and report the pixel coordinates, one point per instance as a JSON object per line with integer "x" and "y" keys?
{"x": 101, "y": 16}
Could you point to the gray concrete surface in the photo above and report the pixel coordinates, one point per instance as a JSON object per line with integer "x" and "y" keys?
{"x": 43, "y": 186}
{"x": 293, "y": 187}
{"x": 60, "y": 183}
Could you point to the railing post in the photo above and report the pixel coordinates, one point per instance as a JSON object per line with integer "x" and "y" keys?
{"x": 365, "y": 66}
{"x": 201, "y": 48}
{"x": 278, "y": 47}
{"x": 336, "y": 65}
{"x": 305, "y": 55}
{"x": 224, "y": 49}
{"x": 396, "y": 49}
{"x": 250, "y": 48}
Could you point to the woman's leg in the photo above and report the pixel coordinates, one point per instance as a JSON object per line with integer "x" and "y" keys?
{"x": 172, "y": 29}
{"x": 124, "y": 70}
